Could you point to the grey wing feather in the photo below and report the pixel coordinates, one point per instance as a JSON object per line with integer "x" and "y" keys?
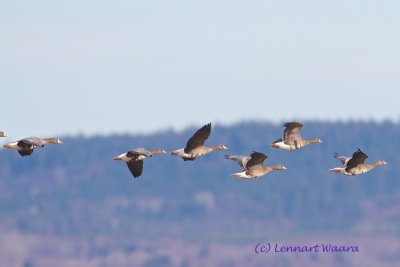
{"x": 343, "y": 159}
{"x": 241, "y": 160}
{"x": 292, "y": 131}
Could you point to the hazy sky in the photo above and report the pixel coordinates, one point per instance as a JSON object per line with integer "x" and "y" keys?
{"x": 102, "y": 67}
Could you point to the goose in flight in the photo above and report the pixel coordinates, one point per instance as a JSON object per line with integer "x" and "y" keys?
{"x": 26, "y": 146}
{"x": 292, "y": 139}
{"x": 356, "y": 164}
{"x": 254, "y": 167}
{"x": 134, "y": 159}
{"x": 195, "y": 145}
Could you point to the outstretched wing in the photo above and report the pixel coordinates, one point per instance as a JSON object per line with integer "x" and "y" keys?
{"x": 241, "y": 160}
{"x": 198, "y": 138}
{"x": 358, "y": 158}
{"x": 256, "y": 158}
{"x": 136, "y": 167}
{"x": 292, "y": 131}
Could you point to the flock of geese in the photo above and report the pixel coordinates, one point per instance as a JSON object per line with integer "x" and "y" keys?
{"x": 252, "y": 166}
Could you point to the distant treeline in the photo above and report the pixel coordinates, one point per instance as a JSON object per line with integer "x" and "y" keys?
{"x": 77, "y": 189}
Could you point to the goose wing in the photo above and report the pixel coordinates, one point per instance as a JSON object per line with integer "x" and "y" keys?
{"x": 25, "y": 151}
{"x": 30, "y": 141}
{"x": 256, "y": 159}
{"x": 198, "y": 138}
{"x": 136, "y": 167}
{"x": 358, "y": 158}
{"x": 343, "y": 159}
{"x": 292, "y": 131}
{"x": 142, "y": 151}
{"x": 134, "y": 155}
{"x": 241, "y": 160}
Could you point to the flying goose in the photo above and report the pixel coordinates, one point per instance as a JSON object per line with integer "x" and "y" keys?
{"x": 195, "y": 146}
{"x": 2, "y": 134}
{"x": 292, "y": 139}
{"x": 254, "y": 167}
{"x": 355, "y": 165}
{"x": 26, "y": 146}
{"x": 134, "y": 159}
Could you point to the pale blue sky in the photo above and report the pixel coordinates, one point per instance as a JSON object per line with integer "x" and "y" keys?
{"x": 103, "y": 67}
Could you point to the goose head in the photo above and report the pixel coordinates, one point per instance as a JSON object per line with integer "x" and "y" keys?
{"x": 52, "y": 140}
{"x": 380, "y": 163}
{"x": 219, "y": 147}
{"x": 280, "y": 167}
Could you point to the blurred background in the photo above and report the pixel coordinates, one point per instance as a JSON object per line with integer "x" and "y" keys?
{"x": 109, "y": 76}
